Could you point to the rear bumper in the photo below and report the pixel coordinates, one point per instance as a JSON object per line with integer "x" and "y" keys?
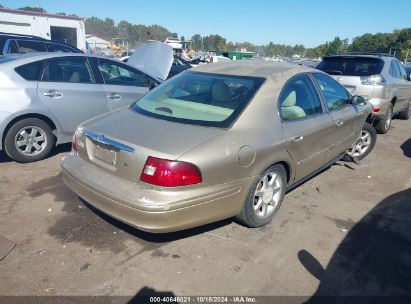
{"x": 145, "y": 208}
{"x": 382, "y": 104}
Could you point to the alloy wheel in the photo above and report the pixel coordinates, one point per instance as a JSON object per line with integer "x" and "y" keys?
{"x": 362, "y": 145}
{"x": 388, "y": 119}
{"x": 30, "y": 140}
{"x": 267, "y": 194}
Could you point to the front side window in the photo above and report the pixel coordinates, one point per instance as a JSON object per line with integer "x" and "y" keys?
{"x": 299, "y": 99}
{"x": 68, "y": 69}
{"x": 200, "y": 98}
{"x": 334, "y": 93}
{"x": 118, "y": 74}
{"x": 351, "y": 66}
{"x": 29, "y": 46}
{"x": 29, "y": 71}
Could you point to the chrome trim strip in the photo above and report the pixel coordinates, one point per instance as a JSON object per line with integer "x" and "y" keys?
{"x": 105, "y": 141}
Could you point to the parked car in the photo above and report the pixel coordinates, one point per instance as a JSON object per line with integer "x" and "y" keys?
{"x": 179, "y": 65}
{"x": 45, "y": 96}
{"x": 22, "y": 44}
{"x": 408, "y": 70}
{"x": 217, "y": 58}
{"x": 216, "y": 141}
{"x": 380, "y": 79}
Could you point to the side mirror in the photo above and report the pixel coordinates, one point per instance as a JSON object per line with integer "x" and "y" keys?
{"x": 358, "y": 100}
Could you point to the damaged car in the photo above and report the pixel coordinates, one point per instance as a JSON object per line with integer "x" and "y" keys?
{"x": 45, "y": 96}
{"x": 215, "y": 142}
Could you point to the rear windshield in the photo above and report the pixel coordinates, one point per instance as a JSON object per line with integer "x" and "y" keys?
{"x": 200, "y": 98}
{"x": 351, "y": 66}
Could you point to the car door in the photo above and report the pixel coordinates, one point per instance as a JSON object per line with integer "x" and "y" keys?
{"x": 123, "y": 84}
{"x": 404, "y": 88}
{"x": 345, "y": 117}
{"x": 69, "y": 90}
{"x": 306, "y": 124}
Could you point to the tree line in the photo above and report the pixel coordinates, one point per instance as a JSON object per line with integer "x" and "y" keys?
{"x": 398, "y": 42}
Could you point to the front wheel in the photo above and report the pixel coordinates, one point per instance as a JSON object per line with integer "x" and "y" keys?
{"x": 29, "y": 140}
{"x": 265, "y": 197}
{"x": 364, "y": 145}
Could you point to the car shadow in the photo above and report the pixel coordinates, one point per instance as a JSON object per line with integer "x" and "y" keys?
{"x": 406, "y": 148}
{"x": 148, "y": 295}
{"x": 63, "y": 148}
{"x": 373, "y": 260}
{"x": 158, "y": 237}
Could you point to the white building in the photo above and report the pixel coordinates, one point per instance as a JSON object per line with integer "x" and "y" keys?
{"x": 49, "y": 26}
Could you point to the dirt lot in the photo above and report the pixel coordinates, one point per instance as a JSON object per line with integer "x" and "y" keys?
{"x": 352, "y": 222}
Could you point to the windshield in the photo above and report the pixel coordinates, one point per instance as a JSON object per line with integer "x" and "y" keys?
{"x": 200, "y": 99}
{"x": 351, "y": 66}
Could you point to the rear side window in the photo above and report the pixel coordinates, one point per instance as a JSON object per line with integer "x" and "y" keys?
{"x": 30, "y": 71}
{"x": 299, "y": 99}
{"x": 394, "y": 71}
{"x": 68, "y": 69}
{"x": 351, "y": 66}
{"x": 29, "y": 46}
{"x": 334, "y": 93}
{"x": 56, "y": 47}
{"x": 403, "y": 74}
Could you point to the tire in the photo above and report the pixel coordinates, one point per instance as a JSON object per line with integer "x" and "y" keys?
{"x": 406, "y": 113}
{"x": 364, "y": 145}
{"x": 252, "y": 215}
{"x": 32, "y": 131}
{"x": 384, "y": 124}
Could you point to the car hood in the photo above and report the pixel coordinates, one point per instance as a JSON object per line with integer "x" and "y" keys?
{"x": 150, "y": 136}
{"x": 154, "y": 58}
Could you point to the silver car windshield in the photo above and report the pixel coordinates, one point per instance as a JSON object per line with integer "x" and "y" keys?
{"x": 200, "y": 98}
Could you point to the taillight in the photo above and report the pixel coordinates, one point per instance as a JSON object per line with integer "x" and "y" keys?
{"x": 373, "y": 80}
{"x": 74, "y": 142}
{"x": 376, "y": 110}
{"x": 169, "y": 173}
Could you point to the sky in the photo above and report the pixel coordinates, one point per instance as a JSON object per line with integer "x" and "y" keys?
{"x": 311, "y": 22}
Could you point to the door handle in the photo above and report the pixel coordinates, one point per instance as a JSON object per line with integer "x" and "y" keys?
{"x": 339, "y": 123}
{"x": 53, "y": 94}
{"x": 296, "y": 139}
{"x": 114, "y": 96}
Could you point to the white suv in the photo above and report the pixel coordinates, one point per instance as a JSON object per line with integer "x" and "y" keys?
{"x": 381, "y": 79}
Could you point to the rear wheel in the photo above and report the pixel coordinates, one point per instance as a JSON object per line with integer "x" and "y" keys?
{"x": 384, "y": 124}
{"x": 29, "y": 140}
{"x": 406, "y": 113}
{"x": 265, "y": 197}
{"x": 364, "y": 145}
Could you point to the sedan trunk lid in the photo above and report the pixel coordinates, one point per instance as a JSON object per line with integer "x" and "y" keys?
{"x": 121, "y": 141}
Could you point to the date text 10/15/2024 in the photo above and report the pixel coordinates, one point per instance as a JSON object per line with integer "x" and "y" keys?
{"x": 203, "y": 299}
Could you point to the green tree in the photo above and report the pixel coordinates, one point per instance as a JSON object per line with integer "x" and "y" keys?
{"x": 32, "y": 9}
{"x": 196, "y": 41}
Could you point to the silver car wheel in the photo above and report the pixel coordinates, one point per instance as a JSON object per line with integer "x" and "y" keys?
{"x": 30, "y": 140}
{"x": 267, "y": 194}
{"x": 362, "y": 145}
{"x": 388, "y": 119}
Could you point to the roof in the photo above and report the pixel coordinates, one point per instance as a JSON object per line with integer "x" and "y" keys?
{"x": 254, "y": 68}
{"x": 360, "y": 55}
{"x": 31, "y": 13}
